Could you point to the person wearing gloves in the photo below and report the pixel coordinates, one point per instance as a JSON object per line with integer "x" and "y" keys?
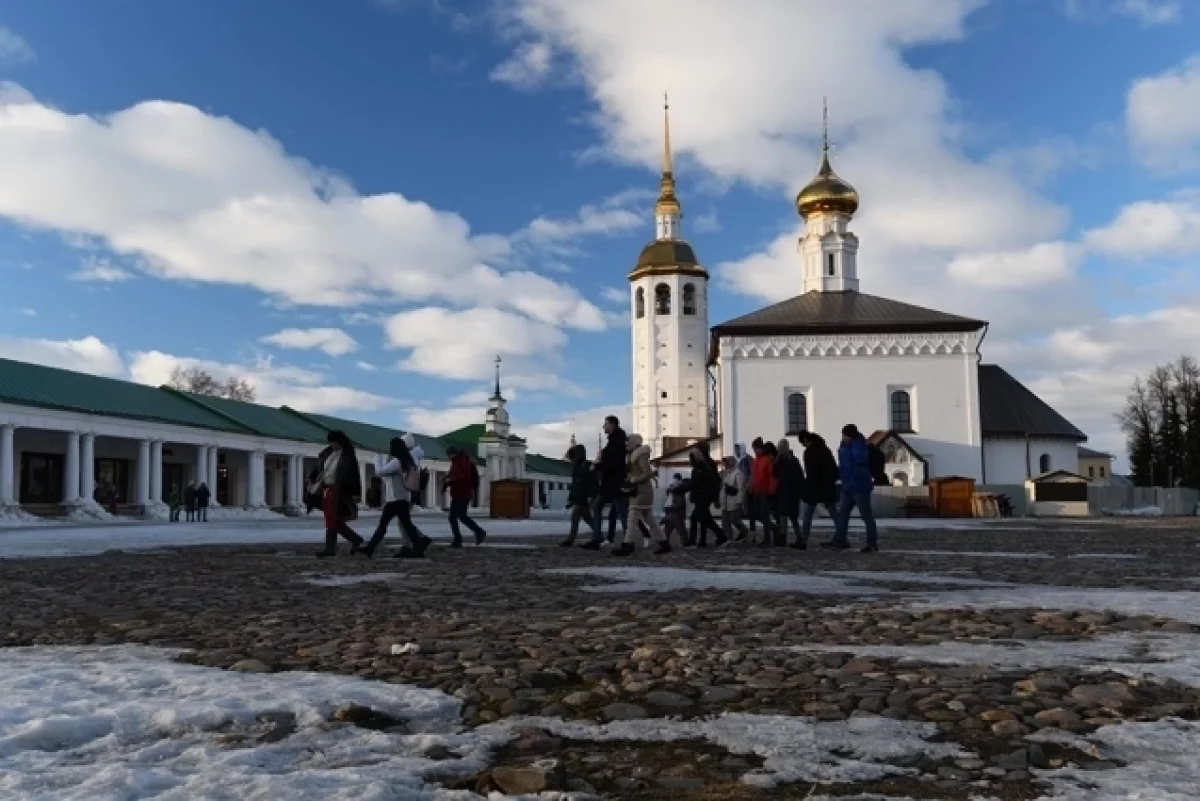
{"x": 401, "y": 477}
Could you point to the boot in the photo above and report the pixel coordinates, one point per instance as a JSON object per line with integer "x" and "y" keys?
{"x": 330, "y": 546}
{"x": 567, "y": 543}
{"x": 421, "y": 546}
{"x": 664, "y": 547}
{"x": 591, "y": 545}
{"x": 405, "y": 553}
{"x": 625, "y": 549}
{"x": 456, "y": 542}
{"x": 480, "y": 536}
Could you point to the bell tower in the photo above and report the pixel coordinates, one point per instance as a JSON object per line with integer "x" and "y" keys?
{"x": 828, "y": 249}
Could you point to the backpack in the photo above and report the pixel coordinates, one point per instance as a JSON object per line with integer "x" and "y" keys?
{"x": 878, "y": 464}
{"x": 412, "y": 479}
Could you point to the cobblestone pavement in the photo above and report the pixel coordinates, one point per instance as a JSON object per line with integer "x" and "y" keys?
{"x": 818, "y": 638}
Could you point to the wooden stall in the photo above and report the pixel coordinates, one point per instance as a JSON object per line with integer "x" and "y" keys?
{"x": 952, "y": 496}
{"x": 511, "y": 498}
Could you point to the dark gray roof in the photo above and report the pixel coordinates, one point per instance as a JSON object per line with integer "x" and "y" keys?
{"x": 1088, "y": 453}
{"x": 842, "y": 313}
{"x": 1008, "y": 408}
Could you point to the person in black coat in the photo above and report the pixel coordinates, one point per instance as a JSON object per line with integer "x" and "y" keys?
{"x": 612, "y": 467}
{"x": 341, "y": 487}
{"x": 789, "y": 482}
{"x": 704, "y": 489}
{"x": 202, "y": 497}
{"x": 579, "y": 496}
{"x": 821, "y": 477}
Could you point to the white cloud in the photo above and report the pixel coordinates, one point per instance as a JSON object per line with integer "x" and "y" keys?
{"x": 706, "y": 223}
{"x": 1146, "y": 12}
{"x": 1151, "y": 229}
{"x": 13, "y": 49}
{"x": 366, "y": 367}
{"x": 436, "y": 422}
{"x": 1162, "y": 114}
{"x": 101, "y": 270}
{"x": 198, "y": 197}
{"x": 614, "y": 295}
{"x": 463, "y": 345}
{"x": 332, "y": 341}
{"x": 86, "y": 355}
{"x": 528, "y": 66}
{"x": 1043, "y": 263}
{"x": 274, "y": 385}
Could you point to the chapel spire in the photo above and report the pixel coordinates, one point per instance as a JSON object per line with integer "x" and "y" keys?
{"x": 667, "y": 211}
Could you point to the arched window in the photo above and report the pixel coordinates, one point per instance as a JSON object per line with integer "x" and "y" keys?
{"x": 1044, "y": 463}
{"x": 797, "y": 413}
{"x": 689, "y": 299}
{"x": 639, "y": 303}
{"x": 901, "y": 411}
{"x": 662, "y": 299}
{"x": 831, "y": 264}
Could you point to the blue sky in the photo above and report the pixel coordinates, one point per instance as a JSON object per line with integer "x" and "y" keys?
{"x": 357, "y": 204}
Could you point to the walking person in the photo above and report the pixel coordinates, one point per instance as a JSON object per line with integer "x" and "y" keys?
{"x": 704, "y": 487}
{"x": 675, "y": 511}
{"x": 202, "y": 497}
{"x": 733, "y": 500}
{"x": 341, "y": 488}
{"x": 173, "y": 503}
{"x": 189, "y": 501}
{"x": 640, "y": 490}
{"x": 745, "y": 463}
{"x": 579, "y": 495}
{"x": 820, "y": 482}
{"x": 463, "y": 482}
{"x": 789, "y": 487}
{"x": 400, "y": 475}
{"x": 762, "y": 486}
{"x": 612, "y": 465}
{"x": 858, "y": 482}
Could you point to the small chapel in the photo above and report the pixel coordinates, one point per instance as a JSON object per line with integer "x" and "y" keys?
{"x": 912, "y": 379}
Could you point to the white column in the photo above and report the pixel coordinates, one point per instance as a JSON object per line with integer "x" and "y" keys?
{"x": 87, "y": 468}
{"x": 289, "y": 486}
{"x": 143, "y": 472}
{"x": 8, "y": 494}
{"x": 71, "y": 469}
{"x": 201, "y": 465}
{"x": 156, "y": 448}
{"x": 256, "y": 481}
{"x": 214, "y": 464}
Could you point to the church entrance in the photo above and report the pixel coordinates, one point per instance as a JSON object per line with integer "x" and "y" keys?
{"x": 41, "y": 478}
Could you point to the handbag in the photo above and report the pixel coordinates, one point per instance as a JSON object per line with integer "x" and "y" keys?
{"x": 412, "y": 480}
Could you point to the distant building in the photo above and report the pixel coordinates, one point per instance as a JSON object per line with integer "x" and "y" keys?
{"x": 1095, "y": 466}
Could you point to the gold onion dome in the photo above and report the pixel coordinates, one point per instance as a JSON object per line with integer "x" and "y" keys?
{"x": 827, "y": 192}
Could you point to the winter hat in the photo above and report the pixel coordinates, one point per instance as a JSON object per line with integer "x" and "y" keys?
{"x": 409, "y": 441}
{"x": 850, "y": 430}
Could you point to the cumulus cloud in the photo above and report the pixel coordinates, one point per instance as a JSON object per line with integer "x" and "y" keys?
{"x": 101, "y": 270}
{"x": 86, "y": 355}
{"x": 1043, "y": 263}
{"x": 1151, "y": 229}
{"x": 274, "y": 384}
{"x": 1148, "y": 13}
{"x": 1162, "y": 114}
{"x": 528, "y": 66}
{"x": 13, "y": 49}
{"x": 550, "y": 437}
{"x": 332, "y": 341}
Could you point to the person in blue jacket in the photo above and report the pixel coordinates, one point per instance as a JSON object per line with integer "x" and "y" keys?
{"x": 854, "y": 469}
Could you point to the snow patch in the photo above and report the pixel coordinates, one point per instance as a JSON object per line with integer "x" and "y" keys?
{"x": 350, "y": 581}
{"x": 1140, "y": 511}
{"x": 667, "y": 579}
{"x": 16, "y": 516}
{"x": 975, "y": 554}
{"x": 221, "y": 514}
{"x": 87, "y": 511}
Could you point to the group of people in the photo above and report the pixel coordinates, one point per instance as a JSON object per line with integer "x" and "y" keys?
{"x": 767, "y": 486}
{"x": 335, "y": 485}
{"x": 193, "y": 500}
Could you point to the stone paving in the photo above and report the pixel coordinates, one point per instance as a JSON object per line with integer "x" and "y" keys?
{"x": 499, "y": 630}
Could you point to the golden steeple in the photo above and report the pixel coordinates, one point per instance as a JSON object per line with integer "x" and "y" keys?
{"x": 826, "y": 192}
{"x": 667, "y": 202}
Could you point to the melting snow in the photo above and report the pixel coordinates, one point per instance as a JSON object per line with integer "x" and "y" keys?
{"x": 350, "y": 581}
{"x": 667, "y": 579}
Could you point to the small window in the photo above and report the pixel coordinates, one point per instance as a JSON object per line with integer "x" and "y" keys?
{"x": 1101, "y": 472}
{"x": 830, "y": 267}
{"x": 689, "y": 299}
{"x": 1044, "y": 463}
{"x": 664, "y": 396}
{"x": 901, "y": 411}
{"x": 797, "y": 411}
{"x": 639, "y": 303}
{"x": 662, "y": 299}
{"x": 1091, "y": 472}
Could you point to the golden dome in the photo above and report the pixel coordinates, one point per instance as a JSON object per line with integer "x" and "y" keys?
{"x": 827, "y": 192}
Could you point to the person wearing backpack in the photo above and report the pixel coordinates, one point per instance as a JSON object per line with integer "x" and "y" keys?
{"x": 401, "y": 478}
{"x": 854, "y": 468}
{"x": 463, "y": 481}
{"x": 820, "y": 481}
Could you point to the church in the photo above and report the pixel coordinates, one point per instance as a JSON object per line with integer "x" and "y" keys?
{"x": 912, "y": 379}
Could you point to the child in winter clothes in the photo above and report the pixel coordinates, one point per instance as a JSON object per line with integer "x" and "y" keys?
{"x": 675, "y": 512}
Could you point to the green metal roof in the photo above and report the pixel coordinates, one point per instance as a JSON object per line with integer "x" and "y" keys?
{"x": 467, "y": 435}
{"x": 265, "y": 420}
{"x": 536, "y": 463}
{"x": 50, "y": 388}
{"x": 373, "y": 437}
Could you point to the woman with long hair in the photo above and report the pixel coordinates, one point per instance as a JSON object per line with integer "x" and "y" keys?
{"x": 401, "y": 476}
{"x": 579, "y": 497}
{"x": 341, "y": 487}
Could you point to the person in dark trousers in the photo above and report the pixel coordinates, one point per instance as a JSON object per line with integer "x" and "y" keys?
{"x": 820, "y": 481}
{"x": 189, "y": 501}
{"x": 704, "y": 488}
{"x": 579, "y": 496}
{"x": 173, "y": 501}
{"x": 675, "y": 510}
{"x": 789, "y": 487}
{"x": 401, "y": 478}
{"x": 854, "y": 468}
{"x": 745, "y": 464}
{"x": 341, "y": 488}
{"x": 463, "y": 481}
{"x": 202, "y": 498}
{"x": 613, "y": 464}
{"x": 762, "y": 488}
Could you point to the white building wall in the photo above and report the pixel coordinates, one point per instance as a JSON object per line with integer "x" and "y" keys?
{"x": 670, "y": 378}
{"x": 1006, "y": 462}
{"x": 850, "y": 380}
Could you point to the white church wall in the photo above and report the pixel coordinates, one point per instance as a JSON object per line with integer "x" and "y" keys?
{"x": 1011, "y": 460}
{"x": 856, "y": 389}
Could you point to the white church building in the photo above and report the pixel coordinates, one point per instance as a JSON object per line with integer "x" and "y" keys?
{"x": 911, "y": 378}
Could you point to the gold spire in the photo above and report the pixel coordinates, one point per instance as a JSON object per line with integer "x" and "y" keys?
{"x": 827, "y": 191}
{"x": 667, "y": 202}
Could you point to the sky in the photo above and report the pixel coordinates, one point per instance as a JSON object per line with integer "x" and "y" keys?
{"x": 357, "y": 205}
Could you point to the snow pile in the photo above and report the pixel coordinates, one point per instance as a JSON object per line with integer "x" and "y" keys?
{"x": 1181, "y": 605}
{"x": 16, "y": 516}
{"x": 86, "y": 511}
{"x": 350, "y": 581}
{"x": 667, "y": 579}
{"x": 217, "y": 514}
{"x": 108, "y": 723}
{"x": 1140, "y": 511}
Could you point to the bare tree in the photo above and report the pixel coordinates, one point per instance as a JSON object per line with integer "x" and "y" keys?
{"x": 201, "y": 382}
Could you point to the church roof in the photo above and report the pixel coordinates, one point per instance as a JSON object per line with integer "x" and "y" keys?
{"x": 664, "y": 256}
{"x": 844, "y": 313}
{"x": 1009, "y": 408}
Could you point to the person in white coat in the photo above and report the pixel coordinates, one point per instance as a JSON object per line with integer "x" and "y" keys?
{"x": 733, "y": 499}
{"x": 640, "y": 491}
{"x": 401, "y": 477}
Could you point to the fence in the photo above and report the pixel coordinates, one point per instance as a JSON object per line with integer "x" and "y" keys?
{"x": 1173, "y": 502}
